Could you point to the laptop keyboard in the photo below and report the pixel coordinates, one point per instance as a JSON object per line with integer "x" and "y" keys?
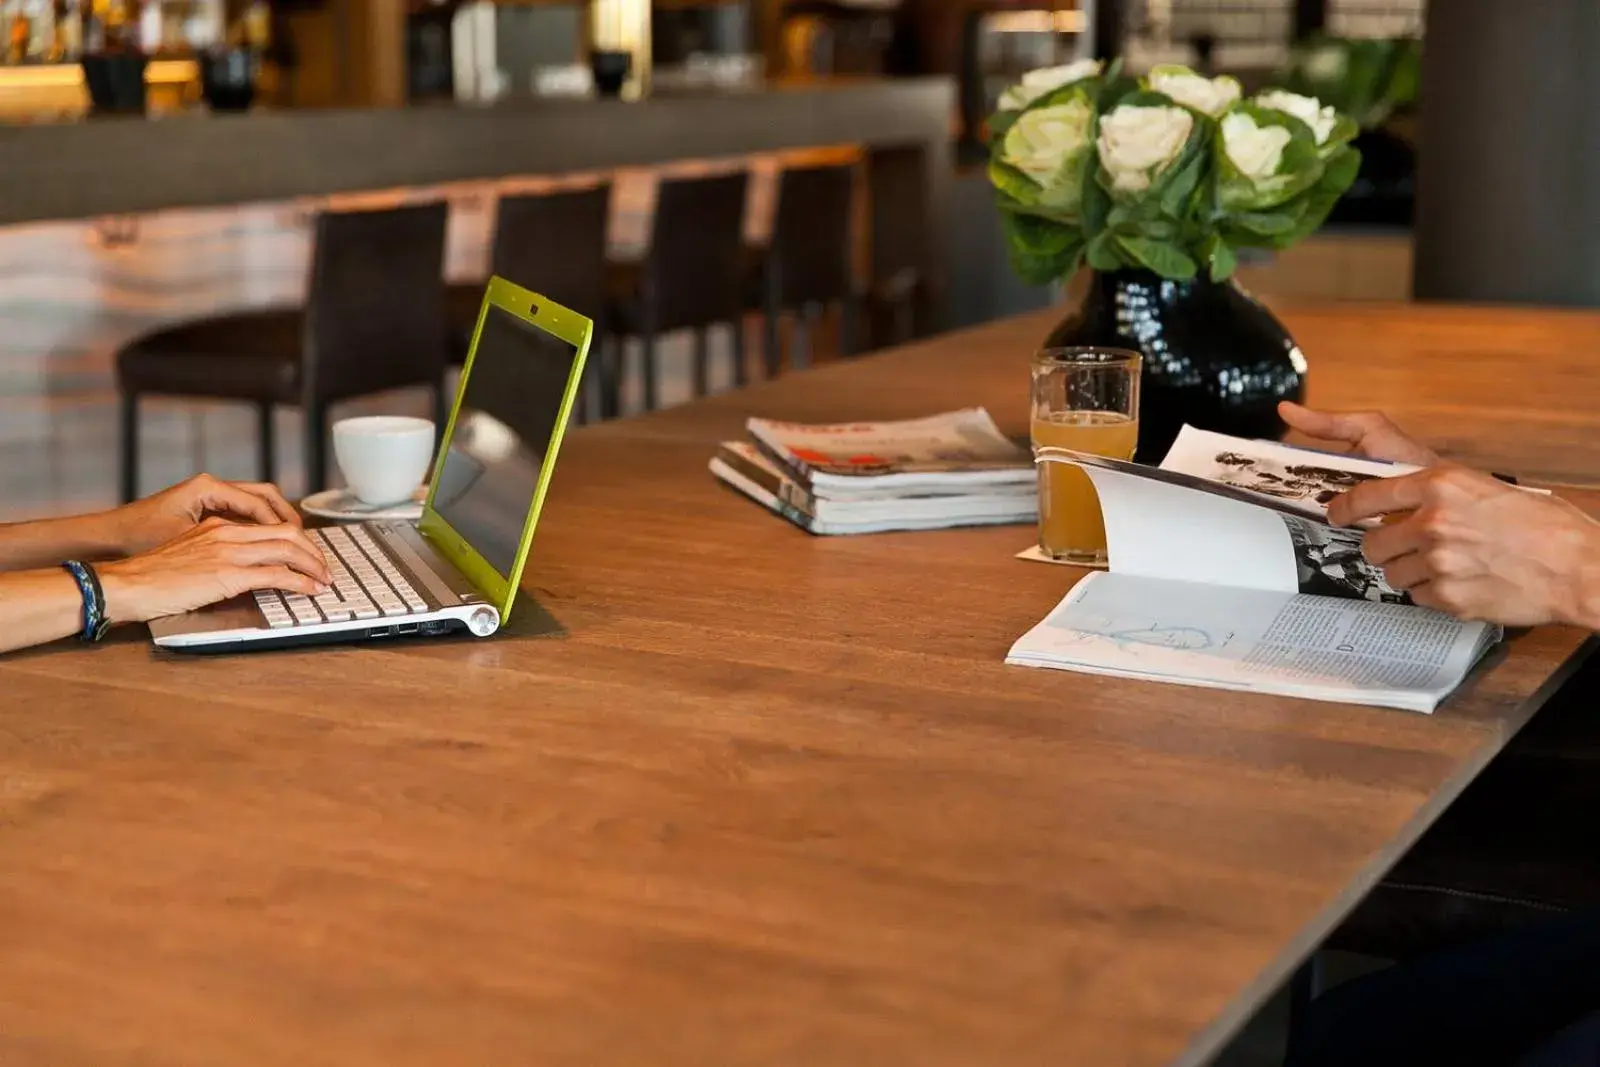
{"x": 366, "y": 585}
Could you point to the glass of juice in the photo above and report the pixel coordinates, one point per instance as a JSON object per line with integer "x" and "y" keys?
{"x": 1084, "y": 400}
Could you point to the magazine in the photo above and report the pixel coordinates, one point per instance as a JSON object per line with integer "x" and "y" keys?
{"x": 955, "y": 452}
{"x": 954, "y": 469}
{"x": 746, "y": 468}
{"x": 1242, "y": 583}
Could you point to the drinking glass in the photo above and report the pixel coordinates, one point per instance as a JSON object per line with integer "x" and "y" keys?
{"x": 1084, "y": 400}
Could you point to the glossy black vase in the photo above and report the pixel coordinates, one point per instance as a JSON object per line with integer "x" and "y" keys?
{"x": 1214, "y": 357}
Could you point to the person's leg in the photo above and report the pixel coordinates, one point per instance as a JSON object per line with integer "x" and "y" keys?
{"x": 1481, "y": 1005}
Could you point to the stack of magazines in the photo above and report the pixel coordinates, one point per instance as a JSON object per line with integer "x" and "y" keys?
{"x": 955, "y": 469}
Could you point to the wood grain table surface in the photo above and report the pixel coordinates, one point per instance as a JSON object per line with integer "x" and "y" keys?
{"x": 765, "y": 799}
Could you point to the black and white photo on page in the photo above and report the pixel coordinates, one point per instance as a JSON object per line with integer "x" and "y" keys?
{"x": 1294, "y": 478}
{"x": 1330, "y": 563}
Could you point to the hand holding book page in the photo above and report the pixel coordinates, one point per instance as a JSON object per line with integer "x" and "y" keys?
{"x": 1246, "y": 589}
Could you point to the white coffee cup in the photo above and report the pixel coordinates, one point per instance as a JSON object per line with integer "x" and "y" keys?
{"x": 384, "y": 457}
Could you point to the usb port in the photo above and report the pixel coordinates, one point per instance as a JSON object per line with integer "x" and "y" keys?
{"x": 406, "y": 628}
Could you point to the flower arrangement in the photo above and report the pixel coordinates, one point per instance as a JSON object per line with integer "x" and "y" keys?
{"x": 1173, "y": 174}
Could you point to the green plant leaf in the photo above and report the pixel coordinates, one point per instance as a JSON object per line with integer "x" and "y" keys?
{"x": 1280, "y": 220}
{"x": 1223, "y": 262}
{"x": 1041, "y": 251}
{"x": 1103, "y": 253}
{"x": 1167, "y": 260}
{"x": 1012, "y": 183}
{"x": 1095, "y": 205}
{"x": 1336, "y": 179}
{"x": 998, "y": 123}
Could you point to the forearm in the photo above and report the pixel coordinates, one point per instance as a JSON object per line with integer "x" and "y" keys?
{"x": 38, "y": 606}
{"x": 40, "y": 544}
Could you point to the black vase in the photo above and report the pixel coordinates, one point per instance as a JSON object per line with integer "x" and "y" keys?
{"x": 1214, "y": 357}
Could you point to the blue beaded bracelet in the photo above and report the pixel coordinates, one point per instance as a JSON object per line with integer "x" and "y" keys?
{"x": 95, "y": 622}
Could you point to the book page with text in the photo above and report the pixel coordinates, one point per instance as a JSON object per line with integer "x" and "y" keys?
{"x": 1295, "y": 645}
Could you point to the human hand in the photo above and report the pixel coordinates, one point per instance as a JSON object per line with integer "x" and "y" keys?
{"x": 212, "y": 561}
{"x": 1473, "y": 546}
{"x": 157, "y": 519}
{"x": 1371, "y": 433}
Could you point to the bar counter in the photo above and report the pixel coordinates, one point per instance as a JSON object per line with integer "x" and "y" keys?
{"x": 124, "y": 166}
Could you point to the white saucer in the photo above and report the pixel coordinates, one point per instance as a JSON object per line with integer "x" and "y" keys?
{"x": 342, "y": 506}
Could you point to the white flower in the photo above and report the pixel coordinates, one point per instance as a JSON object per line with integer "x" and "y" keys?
{"x": 1137, "y": 143}
{"x": 1255, "y": 150}
{"x": 1308, "y": 109}
{"x": 1041, "y": 140}
{"x": 1036, "y": 83}
{"x": 1212, "y": 96}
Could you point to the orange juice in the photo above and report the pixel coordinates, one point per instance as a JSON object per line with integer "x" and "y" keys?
{"x": 1070, "y": 526}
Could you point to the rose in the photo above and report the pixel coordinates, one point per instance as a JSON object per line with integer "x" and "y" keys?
{"x": 1255, "y": 150}
{"x": 1210, "y": 96}
{"x": 1138, "y": 142}
{"x": 1308, "y": 109}
{"x": 1037, "y": 83}
{"x": 1045, "y": 143}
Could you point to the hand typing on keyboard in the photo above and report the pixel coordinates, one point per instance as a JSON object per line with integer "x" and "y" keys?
{"x": 364, "y": 584}
{"x": 213, "y": 561}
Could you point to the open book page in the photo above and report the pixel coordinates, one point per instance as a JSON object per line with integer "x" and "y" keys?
{"x": 1294, "y": 645}
{"x": 951, "y": 452}
{"x": 1282, "y": 475}
{"x": 1167, "y": 524}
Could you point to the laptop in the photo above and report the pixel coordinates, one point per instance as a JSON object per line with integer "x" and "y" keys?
{"x": 457, "y": 568}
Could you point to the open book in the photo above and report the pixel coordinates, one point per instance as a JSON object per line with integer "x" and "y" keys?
{"x": 1224, "y": 572}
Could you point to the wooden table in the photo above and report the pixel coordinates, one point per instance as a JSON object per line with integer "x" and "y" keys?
{"x": 768, "y": 800}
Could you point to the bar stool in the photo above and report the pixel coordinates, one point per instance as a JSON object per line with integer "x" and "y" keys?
{"x": 554, "y": 244}
{"x": 807, "y": 265}
{"x": 373, "y": 321}
{"x": 900, "y": 290}
{"x": 691, "y": 278}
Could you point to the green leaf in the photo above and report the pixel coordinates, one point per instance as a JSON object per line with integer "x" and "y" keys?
{"x": 1167, "y": 260}
{"x": 1103, "y": 254}
{"x": 1270, "y": 223}
{"x": 998, "y": 123}
{"x": 1095, "y": 206}
{"x": 1221, "y": 258}
{"x": 1041, "y": 251}
{"x": 1336, "y": 179}
{"x": 1012, "y": 183}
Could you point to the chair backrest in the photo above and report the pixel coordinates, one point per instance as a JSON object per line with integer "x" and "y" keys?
{"x": 695, "y": 271}
{"x": 375, "y": 315}
{"x": 555, "y": 244}
{"x": 811, "y": 234}
{"x": 897, "y": 185}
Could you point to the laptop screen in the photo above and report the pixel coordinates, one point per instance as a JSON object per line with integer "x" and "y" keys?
{"x": 508, "y": 412}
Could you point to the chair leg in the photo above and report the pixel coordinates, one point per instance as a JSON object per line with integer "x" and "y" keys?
{"x": 613, "y": 352}
{"x": 652, "y": 372}
{"x": 267, "y": 458}
{"x": 741, "y": 376}
{"x": 702, "y": 358}
{"x": 800, "y": 351}
{"x": 849, "y": 326}
{"x": 316, "y": 437}
{"x": 441, "y": 405}
{"x": 128, "y": 418}
{"x": 771, "y": 318}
